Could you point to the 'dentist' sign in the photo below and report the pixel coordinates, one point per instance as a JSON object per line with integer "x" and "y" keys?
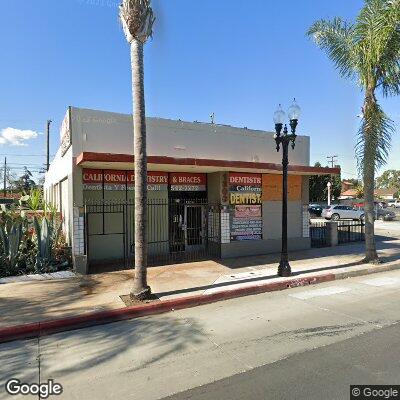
{"x": 245, "y": 189}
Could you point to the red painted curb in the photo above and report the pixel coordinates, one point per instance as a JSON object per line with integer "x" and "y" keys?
{"x": 103, "y": 317}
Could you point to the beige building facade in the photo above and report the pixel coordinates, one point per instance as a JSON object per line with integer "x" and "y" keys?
{"x": 214, "y": 190}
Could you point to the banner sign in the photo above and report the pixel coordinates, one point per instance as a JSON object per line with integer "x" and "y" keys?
{"x": 114, "y": 180}
{"x": 156, "y": 181}
{"x": 245, "y": 194}
{"x": 239, "y": 179}
{"x": 245, "y": 189}
{"x": 93, "y": 179}
{"x": 247, "y": 212}
{"x": 236, "y": 198}
{"x": 246, "y": 223}
{"x": 187, "y": 182}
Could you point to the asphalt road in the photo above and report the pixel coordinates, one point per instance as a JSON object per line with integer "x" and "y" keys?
{"x": 324, "y": 373}
{"x": 310, "y": 339}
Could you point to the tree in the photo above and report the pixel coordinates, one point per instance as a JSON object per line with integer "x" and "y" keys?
{"x": 319, "y": 186}
{"x": 390, "y": 179}
{"x": 360, "y": 191}
{"x": 367, "y": 52}
{"x": 137, "y": 21}
{"x": 25, "y": 182}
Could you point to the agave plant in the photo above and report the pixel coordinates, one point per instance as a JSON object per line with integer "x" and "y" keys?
{"x": 11, "y": 236}
{"x": 47, "y": 234}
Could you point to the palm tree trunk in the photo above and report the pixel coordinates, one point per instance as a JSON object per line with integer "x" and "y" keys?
{"x": 371, "y": 255}
{"x": 140, "y": 288}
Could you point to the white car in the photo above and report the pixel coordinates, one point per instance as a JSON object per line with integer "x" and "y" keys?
{"x": 394, "y": 203}
{"x": 342, "y": 212}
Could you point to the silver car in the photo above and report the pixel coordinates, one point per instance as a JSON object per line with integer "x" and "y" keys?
{"x": 342, "y": 212}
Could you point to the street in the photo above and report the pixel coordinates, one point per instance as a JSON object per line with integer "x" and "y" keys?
{"x": 304, "y": 343}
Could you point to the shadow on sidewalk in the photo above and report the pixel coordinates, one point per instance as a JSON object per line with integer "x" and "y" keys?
{"x": 147, "y": 340}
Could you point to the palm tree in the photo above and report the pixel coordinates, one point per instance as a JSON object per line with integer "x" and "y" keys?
{"x": 137, "y": 21}
{"x": 368, "y": 52}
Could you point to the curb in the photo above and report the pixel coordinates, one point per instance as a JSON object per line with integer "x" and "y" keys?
{"x": 37, "y": 329}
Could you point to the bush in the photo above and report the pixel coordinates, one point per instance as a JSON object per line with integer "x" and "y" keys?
{"x": 28, "y": 246}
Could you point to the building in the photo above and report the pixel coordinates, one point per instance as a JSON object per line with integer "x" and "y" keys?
{"x": 386, "y": 194}
{"x": 349, "y": 194}
{"x": 214, "y": 190}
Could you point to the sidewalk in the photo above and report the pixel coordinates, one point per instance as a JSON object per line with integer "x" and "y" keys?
{"x": 34, "y": 301}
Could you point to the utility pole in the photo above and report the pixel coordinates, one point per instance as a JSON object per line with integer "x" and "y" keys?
{"x": 5, "y": 177}
{"x": 332, "y": 160}
{"x": 49, "y": 121}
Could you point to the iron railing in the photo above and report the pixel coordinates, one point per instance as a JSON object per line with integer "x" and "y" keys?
{"x": 351, "y": 231}
{"x": 318, "y": 234}
{"x": 178, "y": 231}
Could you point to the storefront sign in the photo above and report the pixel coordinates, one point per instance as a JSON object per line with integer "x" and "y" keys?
{"x": 247, "y": 211}
{"x": 244, "y": 198}
{"x": 92, "y": 179}
{"x": 187, "y": 182}
{"x": 114, "y": 180}
{"x": 245, "y": 188}
{"x": 156, "y": 181}
{"x": 245, "y": 194}
{"x": 244, "y": 179}
{"x": 246, "y": 223}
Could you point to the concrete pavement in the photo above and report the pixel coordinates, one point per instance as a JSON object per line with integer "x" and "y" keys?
{"x": 34, "y": 301}
{"x": 155, "y": 357}
{"x": 323, "y": 373}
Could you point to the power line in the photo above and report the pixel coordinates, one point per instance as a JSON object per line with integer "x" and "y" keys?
{"x": 332, "y": 160}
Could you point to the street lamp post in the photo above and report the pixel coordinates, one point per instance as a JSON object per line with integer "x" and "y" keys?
{"x": 284, "y": 140}
{"x": 329, "y": 185}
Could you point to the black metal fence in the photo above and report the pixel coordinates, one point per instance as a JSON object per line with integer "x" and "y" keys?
{"x": 351, "y": 231}
{"x": 318, "y": 234}
{"x": 348, "y": 232}
{"x": 178, "y": 231}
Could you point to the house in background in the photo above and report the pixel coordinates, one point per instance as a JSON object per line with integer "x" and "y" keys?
{"x": 347, "y": 185}
{"x": 348, "y": 194}
{"x": 386, "y": 194}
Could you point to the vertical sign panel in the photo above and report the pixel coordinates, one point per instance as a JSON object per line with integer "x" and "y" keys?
{"x": 245, "y": 196}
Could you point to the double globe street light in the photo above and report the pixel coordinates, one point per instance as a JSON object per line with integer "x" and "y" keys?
{"x": 284, "y": 140}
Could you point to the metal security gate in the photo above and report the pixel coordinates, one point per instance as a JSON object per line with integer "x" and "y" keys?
{"x": 178, "y": 231}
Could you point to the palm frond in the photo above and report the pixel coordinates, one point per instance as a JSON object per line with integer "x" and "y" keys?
{"x": 336, "y": 37}
{"x": 137, "y": 19}
{"x": 377, "y": 42}
{"x": 389, "y": 63}
{"x": 374, "y": 137}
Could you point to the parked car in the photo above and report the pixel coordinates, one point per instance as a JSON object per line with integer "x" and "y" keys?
{"x": 336, "y": 212}
{"x": 385, "y": 215}
{"x": 394, "y": 203}
{"x": 315, "y": 209}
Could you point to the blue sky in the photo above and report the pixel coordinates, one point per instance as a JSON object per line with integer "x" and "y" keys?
{"x": 236, "y": 58}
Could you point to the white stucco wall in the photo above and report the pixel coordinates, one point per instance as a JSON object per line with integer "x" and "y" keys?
{"x": 105, "y": 132}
